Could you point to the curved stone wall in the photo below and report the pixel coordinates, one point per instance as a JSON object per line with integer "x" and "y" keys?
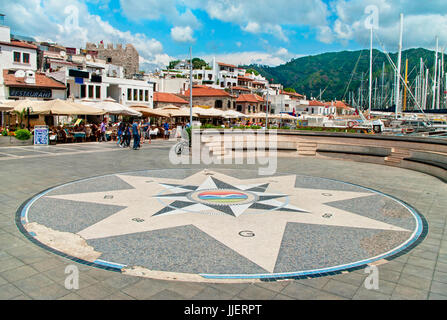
{"x": 427, "y": 155}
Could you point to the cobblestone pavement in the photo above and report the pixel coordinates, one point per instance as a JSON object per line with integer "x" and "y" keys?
{"x": 30, "y": 272}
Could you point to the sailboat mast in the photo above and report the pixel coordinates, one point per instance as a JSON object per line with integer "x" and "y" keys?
{"x": 383, "y": 79}
{"x": 397, "y": 101}
{"x": 406, "y": 83}
{"x": 438, "y": 94}
{"x": 435, "y": 75}
{"x": 375, "y": 93}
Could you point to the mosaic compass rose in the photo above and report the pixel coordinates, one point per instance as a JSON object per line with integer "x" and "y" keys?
{"x": 212, "y": 223}
{"x": 218, "y": 197}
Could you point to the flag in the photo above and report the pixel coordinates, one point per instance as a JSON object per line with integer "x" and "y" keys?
{"x": 294, "y": 113}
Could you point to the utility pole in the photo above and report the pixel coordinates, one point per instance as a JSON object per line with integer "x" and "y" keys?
{"x": 370, "y": 72}
{"x": 190, "y": 88}
{"x": 267, "y": 111}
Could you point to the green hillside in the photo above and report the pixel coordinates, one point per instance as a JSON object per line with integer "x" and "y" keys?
{"x": 332, "y": 72}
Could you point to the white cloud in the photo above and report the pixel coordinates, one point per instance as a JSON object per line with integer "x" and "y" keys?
{"x": 182, "y": 34}
{"x": 423, "y": 21}
{"x": 156, "y": 10}
{"x": 260, "y": 16}
{"x": 252, "y": 27}
{"x": 281, "y": 56}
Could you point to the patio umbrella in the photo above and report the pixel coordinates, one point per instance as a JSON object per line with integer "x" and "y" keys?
{"x": 233, "y": 114}
{"x": 64, "y": 107}
{"x": 181, "y": 112}
{"x": 110, "y": 106}
{"x": 19, "y": 105}
{"x": 211, "y": 112}
{"x": 170, "y": 107}
{"x": 5, "y": 107}
{"x": 286, "y": 116}
{"x": 148, "y": 112}
{"x": 257, "y": 115}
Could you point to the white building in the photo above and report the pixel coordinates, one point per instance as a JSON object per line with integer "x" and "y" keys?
{"x": 90, "y": 78}
{"x": 19, "y": 78}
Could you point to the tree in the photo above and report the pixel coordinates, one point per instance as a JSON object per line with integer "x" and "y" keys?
{"x": 173, "y": 63}
{"x": 253, "y": 71}
{"x": 21, "y": 116}
{"x": 290, "y": 90}
{"x": 198, "y": 63}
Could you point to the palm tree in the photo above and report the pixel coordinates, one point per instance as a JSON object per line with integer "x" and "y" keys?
{"x": 21, "y": 116}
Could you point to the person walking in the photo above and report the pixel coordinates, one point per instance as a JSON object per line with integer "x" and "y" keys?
{"x": 120, "y": 133}
{"x": 103, "y": 131}
{"x": 136, "y": 135}
{"x": 125, "y": 141}
{"x": 166, "y": 128}
{"x": 146, "y": 128}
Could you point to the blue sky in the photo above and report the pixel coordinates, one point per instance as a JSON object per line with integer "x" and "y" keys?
{"x": 235, "y": 31}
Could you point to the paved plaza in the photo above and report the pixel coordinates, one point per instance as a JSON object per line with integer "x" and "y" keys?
{"x": 129, "y": 220}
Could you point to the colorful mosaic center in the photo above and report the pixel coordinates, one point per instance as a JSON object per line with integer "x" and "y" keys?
{"x": 223, "y": 197}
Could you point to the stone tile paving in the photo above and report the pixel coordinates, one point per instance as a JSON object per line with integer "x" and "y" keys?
{"x": 29, "y": 272}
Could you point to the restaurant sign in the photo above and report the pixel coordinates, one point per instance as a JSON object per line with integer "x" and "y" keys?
{"x": 30, "y": 92}
{"x": 41, "y": 135}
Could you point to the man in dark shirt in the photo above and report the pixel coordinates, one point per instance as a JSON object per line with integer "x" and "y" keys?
{"x": 136, "y": 135}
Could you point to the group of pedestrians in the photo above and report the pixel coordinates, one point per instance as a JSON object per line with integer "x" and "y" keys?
{"x": 139, "y": 130}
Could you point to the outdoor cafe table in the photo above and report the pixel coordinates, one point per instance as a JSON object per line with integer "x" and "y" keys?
{"x": 79, "y": 135}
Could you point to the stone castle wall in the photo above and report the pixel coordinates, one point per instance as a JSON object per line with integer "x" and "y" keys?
{"x": 127, "y": 57}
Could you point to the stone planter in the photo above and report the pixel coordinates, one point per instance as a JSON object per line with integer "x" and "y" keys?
{"x": 12, "y": 141}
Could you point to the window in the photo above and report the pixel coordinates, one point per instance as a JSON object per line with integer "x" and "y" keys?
{"x": 109, "y": 60}
{"x": 83, "y": 91}
{"x": 90, "y": 91}
{"x": 146, "y": 95}
{"x": 26, "y": 58}
{"x": 135, "y": 95}
{"x": 141, "y": 95}
{"x": 129, "y": 94}
{"x": 98, "y": 92}
{"x": 17, "y": 57}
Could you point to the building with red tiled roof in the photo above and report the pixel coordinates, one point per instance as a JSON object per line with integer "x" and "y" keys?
{"x": 32, "y": 85}
{"x": 205, "y": 91}
{"x": 18, "y": 44}
{"x": 293, "y": 95}
{"x": 207, "y": 96}
{"x": 249, "y": 103}
{"x": 162, "y": 99}
{"x": 226, "y": 65}
{"x": 41, "y": 81}
{"x": 341, "y": 107}
{"x": 316, "y": 103}
{"x": 237, "y": 88}
{"x": 18, "y": 55}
